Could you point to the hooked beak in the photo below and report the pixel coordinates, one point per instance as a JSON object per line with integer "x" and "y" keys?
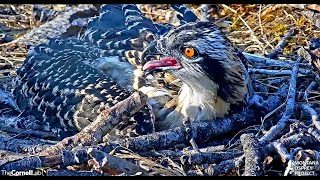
{"x": 166, "y": 63}
{"x": 163, "y": 64}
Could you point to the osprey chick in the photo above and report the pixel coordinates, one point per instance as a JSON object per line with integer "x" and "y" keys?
{"x": 214, "y": 77}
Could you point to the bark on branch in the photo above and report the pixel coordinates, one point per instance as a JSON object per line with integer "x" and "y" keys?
{"x": 252, "y": 153}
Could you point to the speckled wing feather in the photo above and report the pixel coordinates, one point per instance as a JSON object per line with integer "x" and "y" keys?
{"x": 68, "y": 82}
{"x": 58, "y": 87}
{"x": 125, "y": 29}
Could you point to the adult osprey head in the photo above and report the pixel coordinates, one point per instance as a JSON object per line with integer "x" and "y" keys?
{"x": 212, "y": 71}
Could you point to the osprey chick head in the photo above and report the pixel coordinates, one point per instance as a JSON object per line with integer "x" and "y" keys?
{"x": 208, "y": 64}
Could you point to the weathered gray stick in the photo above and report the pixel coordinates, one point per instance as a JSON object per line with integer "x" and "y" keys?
{"x": 10, "y": 143}
{"x": 276, "y": 129}
{"x": 271, "y": 62}
{"x": 208, "y": 157}
{"x": 205, "y": 155}
{"x": 252, "y": 153}
{"x": 112, "y": 164}
{"x": 65, "y": 172}
{"x": 33, "y": 133}
{"x": 282, "y": 151}
{"x": 201, "y": 130}
{"x": 278, "y": 72}
{"x": 313, "y": 113}
{"x": 172, "y": 154}
{"x": 309, "y": 88}
{"x": 224, "y": 167}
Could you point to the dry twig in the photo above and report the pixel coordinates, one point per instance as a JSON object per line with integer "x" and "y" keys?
{"x": 275, "y": 130}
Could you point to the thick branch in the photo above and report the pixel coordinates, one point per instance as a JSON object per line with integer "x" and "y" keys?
{"x": 313, "y": 113}
{"x": 208, "y": 157}
{"x": 29, "y": 132}
{"x": 201, "y": 131}
{"x": 278, "y": 72}
{"x": 173, "y": 154}
{"x": 65, "y": 172}
{"x": 114, "y": 165}
{"x": 22, "y": 145}
{"x": 271, "y": 62}
{"x": 223, "y": 167}
{"x": 282, "y": 151}
{"x": 252, "y": 153}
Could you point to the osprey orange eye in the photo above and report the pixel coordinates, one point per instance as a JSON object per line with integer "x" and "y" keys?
{"x": 189, "y": 52}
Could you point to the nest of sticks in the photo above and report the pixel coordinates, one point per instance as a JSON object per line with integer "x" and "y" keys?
{"x": 279, "y": 128}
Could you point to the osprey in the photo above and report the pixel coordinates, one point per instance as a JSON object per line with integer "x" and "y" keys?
{"x": 66, "y": 83}
{"x": 213, "y": 72}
